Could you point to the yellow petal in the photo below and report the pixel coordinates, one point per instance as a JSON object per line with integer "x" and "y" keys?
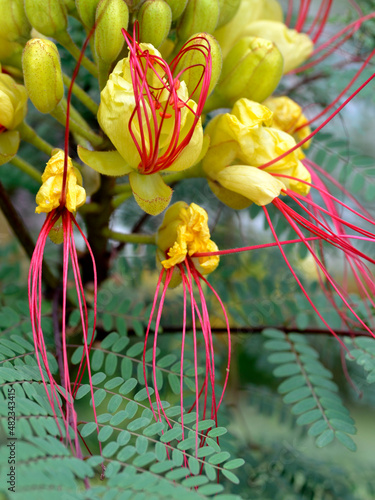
{"x": 150, "y": 192}
{"x": 229, "y": 198}
{"x": 104, "y": 162}
{"x": 258, "y": 186}
{"x": 295, "y": 47}
{"x": 9, "y": 142}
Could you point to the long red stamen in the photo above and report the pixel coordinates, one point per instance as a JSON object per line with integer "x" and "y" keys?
{"x": 142, "y": 63}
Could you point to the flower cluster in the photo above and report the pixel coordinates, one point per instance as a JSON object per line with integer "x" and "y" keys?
{"x": 187, "y": 89}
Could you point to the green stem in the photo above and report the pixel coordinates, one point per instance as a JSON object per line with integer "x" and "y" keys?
{"x": 27, "y": 168}
{"x": 142, "y": 239}
{"x": 81, "y": 95}
{"x": 121, "y": 198}
{"x": 60, "y": 115}
{"x": 29, "y": 135}
{"x": 64, "y": 39}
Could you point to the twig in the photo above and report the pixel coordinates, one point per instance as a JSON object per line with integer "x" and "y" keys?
{"x": 22, "y": 234}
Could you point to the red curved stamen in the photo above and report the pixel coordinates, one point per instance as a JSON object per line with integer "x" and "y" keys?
{"x": 303, "y": 141}
{"x": 147, "y": 100}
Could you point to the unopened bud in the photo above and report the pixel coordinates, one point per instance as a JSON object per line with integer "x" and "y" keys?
{"x": 193, "y": 63}
{"x": 111, "y": 16}
{"x": 70, "y": 5}
{"x": 10, "y": 52}
{"x": 13, "y": 21}
{"x": 199, "y": 15}
{"x": 177, "y": 7}
{"x": 295, "y": 47}
{"x": 228, "y": 9}
{"x": 252, "y": 69}
{"x": 155, "y": 19}
{"x": 47, "y": 16}
{"x": 42, "y": 74}
{"x": 86, "y": 10}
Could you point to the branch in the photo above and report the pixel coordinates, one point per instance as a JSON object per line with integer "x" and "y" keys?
{"x": 22, "y": 234}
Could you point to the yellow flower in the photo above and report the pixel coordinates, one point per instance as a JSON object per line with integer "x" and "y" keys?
{"x": 13, "y": 109}
{"x": 240, "y": 144}
{"x": 49, "y": 194}
{"x": 184, "y": 232}
{"x": 147, "y": 114}
{"x": 288, "y": 116}
{"x": 295, "y": 47}
{"x": 248, "y": 12}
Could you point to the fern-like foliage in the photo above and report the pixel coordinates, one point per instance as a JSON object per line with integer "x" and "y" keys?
{"x": 308, "y": 385}
{"x": 362, "y": 351}
{"x": 142, "y": 458}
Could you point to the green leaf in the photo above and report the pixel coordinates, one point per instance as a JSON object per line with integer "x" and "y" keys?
{"x": 297, "y": 395}
{"x": 219, "y": 458}
{"x": 325, "y": 438}
{"x": 346, "y": 440}
{"x": 234, "y": 464}
{"x": 304, "y": 405}
{"x": 88, "y": 429}
{"x": 286, "y": 370}
{"x": 128, "y": 386}
{"x": 317, "y": 428}
{"x": 291, "y": 383}
{"x": 309, "y": 417}
{"x": 105, "y": 433}
{"x": 232, "y": 477}
{"x": 217, "y": 431}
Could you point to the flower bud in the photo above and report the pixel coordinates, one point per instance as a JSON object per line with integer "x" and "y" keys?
{"x": 10, "y": 52}
{"x": 177, "y": 7}
{"x": 294, "y": 46}
{"x": 228, "y": 9}
{"x": 13, "y": 108}
{"x": 193, "y": 63}
{"x": 199, "y": 15}
{"x": 86, "y": 10}
{"x": 13, "y": 21}
{"x": 252, "y": 69}
{"x": 248, "y": 12}
{"x": 155, "y": 19}
{"x": 47, "y": 16}
{"x": 111, "y": 17}
{"x": 13, "y": 102}
{"x": 42, "y": 74}
{"x": 70, "y": 5}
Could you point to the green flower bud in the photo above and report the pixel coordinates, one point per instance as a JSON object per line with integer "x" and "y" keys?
{"x": 86, "y": 9}
{"x": 13, "y": 21}
{"x": 155, "y": 19}
{"x": 252, "y": 69}
{"x": 228, "y": 9}
{"x": 47, "y": 16}
{"x": 196, "y": 61}
{"x": 199, "y": 15}
{"x": 42, "y": 74}
{"x": 70, "y": 5}
{"x": 111, "y": 16}
{"x": 177, "y": 7}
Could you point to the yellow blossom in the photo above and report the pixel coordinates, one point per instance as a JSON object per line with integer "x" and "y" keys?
{"x": 295, "y": 47}
{"x": 13, "y": 109}
{"x": 153, "y": 125}
{"x": 49, "y": 194}
{"x": 184, "y": 232}
{"x": 288, "y": 116}
{"x": 241, "y": 143}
